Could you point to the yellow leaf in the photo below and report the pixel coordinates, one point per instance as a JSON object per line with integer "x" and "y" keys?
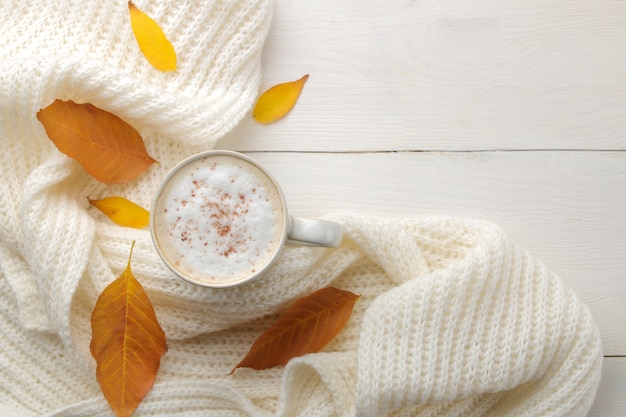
{"x": 157, "y": 49}
{"x": 127, "y": 343}
{"x": 276, "y": 102}
{"x": 306, "y": 327}
{"x": 107, "y": 147}
{"x": 122, "y": 211}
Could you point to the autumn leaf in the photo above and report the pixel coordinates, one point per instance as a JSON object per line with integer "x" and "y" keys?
{"x": 306, "y": 327}
{"x": 152, "y": 42}
{"x": 107, "y": 147}
{"x": 122, "y": 211}
{"x": 127, "y": 343}
{"x": 276, "y": 102}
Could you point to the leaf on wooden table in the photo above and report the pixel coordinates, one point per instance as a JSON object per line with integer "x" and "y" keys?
{"x": 107, "y": 147}
{"x": 127, "y": 343}
{"x": 122, "y": 211}
{"x": 277, "y": 101}
{"x": 306, "y": 327}
{"x": 152, "y": 42}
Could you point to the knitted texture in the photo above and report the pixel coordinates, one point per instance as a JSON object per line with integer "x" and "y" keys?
{"x": 453, "y": 320}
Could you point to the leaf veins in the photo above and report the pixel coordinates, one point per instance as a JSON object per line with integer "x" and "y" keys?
{"x": 127, "y": 343}
{"x": 306, "y": 327}
{"x": 107, "y": 147}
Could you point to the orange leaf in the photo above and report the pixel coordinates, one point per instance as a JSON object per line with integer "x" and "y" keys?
{"x": 122, "y": 211}
{"x": 306, "y": 327}
{"x": 276, "y": 102}
{"x": 107, "y": 147}
{"x": 151, "y": 40}
{"x": 127, "y": 343}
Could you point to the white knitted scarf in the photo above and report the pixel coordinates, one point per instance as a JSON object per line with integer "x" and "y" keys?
{"x": 454, "y": 319}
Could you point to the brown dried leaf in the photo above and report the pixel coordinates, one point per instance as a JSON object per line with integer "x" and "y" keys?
{"x": 306, "y": 327}
{"x": 127, "y": 343}
{"x": 107, "y": 147}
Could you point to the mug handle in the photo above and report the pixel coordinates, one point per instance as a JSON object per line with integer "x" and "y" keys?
{"x": 314, "y": 232}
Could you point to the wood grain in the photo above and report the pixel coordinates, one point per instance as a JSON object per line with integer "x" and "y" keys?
{"x": 566, "y": 208}
{"x": 447, "y": 75}
{"x": 509, "y": 111}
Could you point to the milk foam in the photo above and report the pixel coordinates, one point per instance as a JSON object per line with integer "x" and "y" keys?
{"x": 219, "y": 219}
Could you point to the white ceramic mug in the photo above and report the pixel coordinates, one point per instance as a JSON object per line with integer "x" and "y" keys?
{"x": 220, "y": 219}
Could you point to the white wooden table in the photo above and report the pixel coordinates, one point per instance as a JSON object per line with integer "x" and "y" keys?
{"x": 513, "y": 111}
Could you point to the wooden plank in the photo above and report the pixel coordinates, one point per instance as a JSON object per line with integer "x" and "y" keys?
{"x": 567, "y": 208}
{"x": 610, "y": 400}
{"x": 478, "y": 75}
{"x": 446, "y": 75}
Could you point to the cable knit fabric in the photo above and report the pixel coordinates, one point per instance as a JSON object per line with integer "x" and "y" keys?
{"x": 454, "y": 319}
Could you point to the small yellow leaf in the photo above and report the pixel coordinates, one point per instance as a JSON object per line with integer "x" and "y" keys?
{"x": 157, "y": 49}
{"x": 276, "y": 102}
{"x": 127, "y": 343}
{"x": 122, "y": 211}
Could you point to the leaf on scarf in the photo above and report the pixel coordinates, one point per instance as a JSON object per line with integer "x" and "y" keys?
{"x": 306, "y": 327}
{"x": 127, "y": 343}
{"x": 276, "y": 102}
{"x": 122, "y": 211}
{"x": 152, "y": 42}
{"x": 107, "y": 147}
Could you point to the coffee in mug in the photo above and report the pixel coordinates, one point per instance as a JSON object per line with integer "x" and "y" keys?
{"x": 219, "y": 219}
